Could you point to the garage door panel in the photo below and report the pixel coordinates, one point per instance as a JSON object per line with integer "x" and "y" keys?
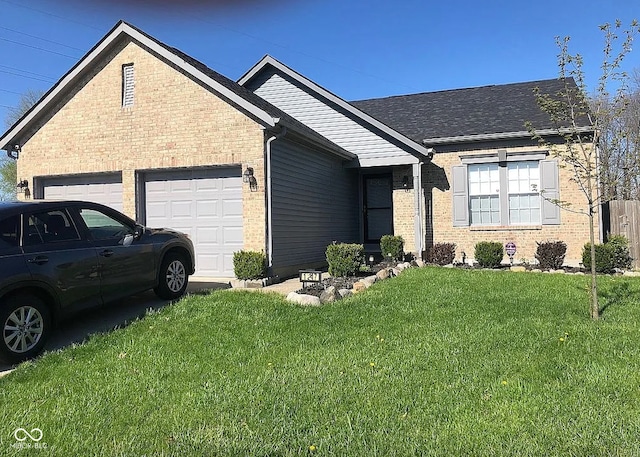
{"x": 232, "y": 207}
{"x": 105, "y": 189}
{"x": 231, "y": 236}
{"x": 206, "y": 204}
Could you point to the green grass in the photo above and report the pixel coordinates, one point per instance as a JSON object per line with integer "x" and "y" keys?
{"x": 434, "y": 362}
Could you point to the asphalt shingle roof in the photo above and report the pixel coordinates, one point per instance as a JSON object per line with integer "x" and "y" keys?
{"x": 461, "y": 112}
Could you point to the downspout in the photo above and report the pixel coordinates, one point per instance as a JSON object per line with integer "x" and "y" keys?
{"x": 271, "y": 139}
{"x": 417, "y": 205}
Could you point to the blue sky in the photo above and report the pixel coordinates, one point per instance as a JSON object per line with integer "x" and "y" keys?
{"x": 356, "y": 49}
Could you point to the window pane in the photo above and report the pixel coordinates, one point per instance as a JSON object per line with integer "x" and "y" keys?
{"x": 485, "y": 210}
{"x": 50, "y": 227}
{"x": 102, "y": 226}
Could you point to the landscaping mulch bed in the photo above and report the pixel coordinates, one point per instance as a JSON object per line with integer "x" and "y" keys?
{"x": 348, "y": 282}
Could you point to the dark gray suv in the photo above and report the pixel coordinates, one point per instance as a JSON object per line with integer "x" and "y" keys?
{"x": 58, "y": 258}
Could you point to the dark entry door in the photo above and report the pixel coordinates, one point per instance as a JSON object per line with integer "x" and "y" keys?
{"x": 378, "y": 207}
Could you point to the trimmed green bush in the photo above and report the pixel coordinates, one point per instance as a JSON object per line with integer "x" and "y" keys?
{"x": 441, "y": 253}
{"x": 489, "y": 254}
{"x": 391, "y": 244}
{"x": 249, "y": 264}
{"x": 550, "y": 254}
{"x": 621, "y": 255}
{"x": 344, "y": 259}
{"x": 604, "y": 258}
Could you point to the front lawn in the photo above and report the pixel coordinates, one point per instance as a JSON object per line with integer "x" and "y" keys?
{"x": 434, "y": 362}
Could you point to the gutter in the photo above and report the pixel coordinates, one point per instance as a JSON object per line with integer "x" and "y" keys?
{"x": 501, "y": 136}
{"x": 271, "y": 139}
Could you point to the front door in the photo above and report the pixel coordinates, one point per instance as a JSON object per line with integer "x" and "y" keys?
{"x": 378, "y": 207}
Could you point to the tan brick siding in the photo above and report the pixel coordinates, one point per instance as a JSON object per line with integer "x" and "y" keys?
{"x": 403, "y": 207}
{"x": 174, "y": 122}
{"x": 573, "y": 230}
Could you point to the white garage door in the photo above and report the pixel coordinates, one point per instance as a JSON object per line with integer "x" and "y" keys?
{"x": 206, "y": 204}
{"x": 105, "y": 189}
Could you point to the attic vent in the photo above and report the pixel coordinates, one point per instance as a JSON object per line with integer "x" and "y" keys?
{"x": 128, "y": 83}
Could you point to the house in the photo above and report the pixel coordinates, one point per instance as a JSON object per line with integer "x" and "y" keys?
{"x": 276, "y": 163}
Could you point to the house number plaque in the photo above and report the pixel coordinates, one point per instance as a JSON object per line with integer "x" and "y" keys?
{"x": 307, "y": 276}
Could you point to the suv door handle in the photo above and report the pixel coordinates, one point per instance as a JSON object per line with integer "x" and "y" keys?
{"x": 39, "y": 260}
{"x": 107, "y": 253}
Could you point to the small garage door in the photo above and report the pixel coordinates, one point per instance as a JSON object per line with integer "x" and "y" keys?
{"x": 206, "y": 204}
{"x": 103, "y": 188}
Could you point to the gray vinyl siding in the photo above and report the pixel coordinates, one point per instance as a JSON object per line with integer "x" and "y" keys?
{"x": 314, "y": 202}
{"x": 328, "y": 119}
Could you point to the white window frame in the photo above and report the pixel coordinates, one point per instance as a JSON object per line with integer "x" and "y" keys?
{"x": 501, "y": 161}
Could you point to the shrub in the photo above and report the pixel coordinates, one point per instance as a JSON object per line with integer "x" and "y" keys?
{"x": 249, "y": 264}
{"x": 394, "y": 245}
{"x": 604, "y": 257}
{"x": 344, "y": 259}
{"x": 489, "y": 254}
{"x": 621, "y": 256}
{"x": 441, "y": 253}
{"x": 550, "y": 254}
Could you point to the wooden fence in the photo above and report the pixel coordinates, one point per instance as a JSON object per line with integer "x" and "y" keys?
{"x": 622, "y": 217}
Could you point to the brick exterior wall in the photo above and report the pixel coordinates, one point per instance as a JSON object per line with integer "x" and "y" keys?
{"x": 404, "y": 207}
{"x": 174, "y": 122}
{"x": 437, "y": 179}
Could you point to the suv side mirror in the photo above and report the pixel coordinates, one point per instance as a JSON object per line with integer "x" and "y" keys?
{"x": 138, "y": 232}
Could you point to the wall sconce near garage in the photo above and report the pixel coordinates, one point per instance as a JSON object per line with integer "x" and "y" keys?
{"x": 247, "y": 177}
{"x": 23, "y": 188}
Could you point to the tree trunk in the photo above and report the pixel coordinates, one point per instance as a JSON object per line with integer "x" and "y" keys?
{"x": 594, "y": 308}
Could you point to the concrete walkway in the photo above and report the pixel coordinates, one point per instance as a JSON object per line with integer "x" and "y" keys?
{"x": 201, "y": 285}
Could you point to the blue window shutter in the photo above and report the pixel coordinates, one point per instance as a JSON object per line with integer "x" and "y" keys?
{"x": 550, "y": 187}
{"x": 460, "y": 196}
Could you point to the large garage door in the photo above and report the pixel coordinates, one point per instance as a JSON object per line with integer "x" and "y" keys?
{"x": 206, "y": 204}
{"x": 103, "y": 188}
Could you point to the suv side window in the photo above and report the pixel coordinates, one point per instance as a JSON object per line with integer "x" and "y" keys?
{"x": 9, "y": 234}
{"x": 50, "y": 227}
{"x": 102, "y": 226}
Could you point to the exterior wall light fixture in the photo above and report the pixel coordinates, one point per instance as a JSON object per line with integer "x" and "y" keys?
{"x": 247, "y": 177}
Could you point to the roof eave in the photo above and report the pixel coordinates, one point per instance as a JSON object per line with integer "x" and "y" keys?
{"x": 502, "y": 136}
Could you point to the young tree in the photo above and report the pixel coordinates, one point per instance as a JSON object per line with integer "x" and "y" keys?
{"x": 580, "y": 122}
{"x": 8, "y": 169}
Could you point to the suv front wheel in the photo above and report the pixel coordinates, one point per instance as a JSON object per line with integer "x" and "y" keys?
{"x": 173, "y": 277}
{"x": 26, "y": 325}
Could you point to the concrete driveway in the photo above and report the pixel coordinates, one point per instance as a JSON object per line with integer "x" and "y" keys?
{"x": 118, "y": 314}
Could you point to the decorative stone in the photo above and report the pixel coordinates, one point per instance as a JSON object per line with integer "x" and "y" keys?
{"x": 400, "y": 267}
{"x": 450, "y": 265}
{"x": 419, "y": 262}
{"x": 395, "y": 272}
{"x": 344, "y": 293}
{"x": 369, "y": 281}
{"x": 254, "y": 284}
{"x": 407, "y": 265}
{"x": 560, "y": 272}
{"x": 358, "y": 287}
{"x": 536, "y": 270}
{"x": 518, "y": 268}
{"x": 238, "y": 283}
{"x": 329, "y": 295}
{"x": 382, "y": 274}
{"x": 631, "y": 273}
{"x": 303, "y": 299}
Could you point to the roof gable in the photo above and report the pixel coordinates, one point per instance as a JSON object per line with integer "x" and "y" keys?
{"x": 269, "y": 66}
{"x": 260, "y": 110}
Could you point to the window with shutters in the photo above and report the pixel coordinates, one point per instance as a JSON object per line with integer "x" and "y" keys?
{"x": 511, "y": 192}
{"x": 128, "y": 85}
